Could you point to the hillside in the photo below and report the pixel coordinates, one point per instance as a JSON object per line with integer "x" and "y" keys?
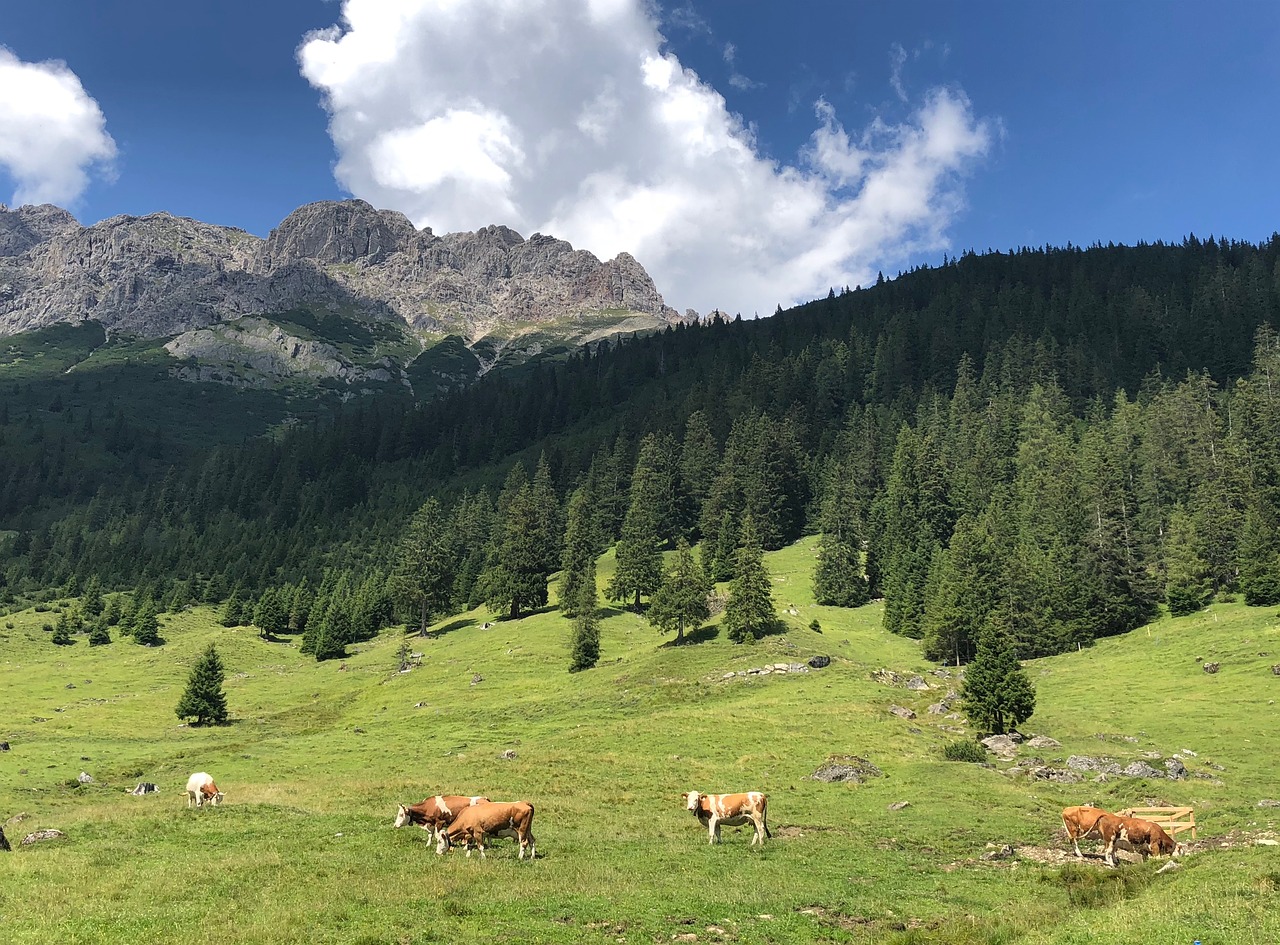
{"x": 319, "y": 755}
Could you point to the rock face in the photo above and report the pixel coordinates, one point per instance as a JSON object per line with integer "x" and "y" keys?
{"x": 161, "y": 275}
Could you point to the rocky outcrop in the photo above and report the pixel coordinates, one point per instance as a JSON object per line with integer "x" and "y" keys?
{"x": 162, "y": 275}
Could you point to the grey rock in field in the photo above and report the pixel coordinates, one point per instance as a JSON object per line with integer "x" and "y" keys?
{"x": 899, "y": 805}
{"x": 901, "y": 712}
{"x": 1057, "y": 775}
{"x": 508, "y": 755}
{"x": 477, "y": 679}
{"x": 1171, "y": 866}
{"x": 1004, "y": 852}
{"x": 1140, "y": 769}
{"x": 941, "y": 673}
{"x": 1268, "y": 802}
{"x": 819, "y": 662}
{"x": 144, "y": 787}
{"x": 938, "y": 708}
{"x": 846, "y": 768}
{"x": 85, "y": 778}
{"x": 1211, "y": 668}
{"x": 4, "y": 746}
{"x": 917, "y": 684}
{"x": 1043, "y": 741}
{"x": 1003, "y": 746}
{"x": 4, "y": 842}
{"x": 71, "y": 685}
{"x": 40, "y": 835}
{"x": 1175, "y": 768}
{"x": 1149, "y": 755}
{"x": 1275, "y": 670}
{"x": 887, "y": 676}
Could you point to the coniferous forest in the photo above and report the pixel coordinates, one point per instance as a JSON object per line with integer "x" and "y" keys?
{"x": 1051, "y": 443}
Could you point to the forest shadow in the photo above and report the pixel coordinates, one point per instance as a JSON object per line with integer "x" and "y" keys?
{"x": 452, "y": 625}
{"x": 693, "y": 637}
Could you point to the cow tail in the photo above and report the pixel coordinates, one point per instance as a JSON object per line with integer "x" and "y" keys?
{"x": 764, "y": 815}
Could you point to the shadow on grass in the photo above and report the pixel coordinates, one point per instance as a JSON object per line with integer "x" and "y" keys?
{"x": 691, "y": 637}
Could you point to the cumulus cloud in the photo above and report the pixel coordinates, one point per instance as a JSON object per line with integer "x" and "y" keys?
{"x": 52, "y": 133}
{"x": 569, "y": 117}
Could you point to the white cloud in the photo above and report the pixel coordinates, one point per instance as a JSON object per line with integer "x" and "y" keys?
{"x": 568, "y": 117}
{"x": 51, "y": 131}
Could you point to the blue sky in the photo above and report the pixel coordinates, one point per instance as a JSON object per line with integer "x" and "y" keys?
{"x": 748, "y": 154}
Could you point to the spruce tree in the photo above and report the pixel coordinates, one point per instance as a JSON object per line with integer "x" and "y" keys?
{"x": 425, "y": 566}
{"x": 62, "y": 630}
{"x": 516, "y": 578}
{"x": 749, "y": 611}
{"x": 113, "y": 611}
{"x": 837, "y": 577}
{"x": 91, "y": 604}
{"x": 681, "y": 600}
{"x": 585, "y": 649}
{"x": 269, "y": 615}
{"x": 581, "y": 546}
{"x": 204, "y": 702}
{"x": 646, "y": 526}
{"x": 232, "y": 609}
{"x": 146, "y": 626}
{"x": 100, "y": 633}
{"x": 1187, "y": 586}
{"x": 997, "y": 696}
{"x": 1260, "y": 555}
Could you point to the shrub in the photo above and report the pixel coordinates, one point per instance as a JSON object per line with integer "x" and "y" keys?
{"x": 1092, "y": 888}
{"x": 966, "y": 750}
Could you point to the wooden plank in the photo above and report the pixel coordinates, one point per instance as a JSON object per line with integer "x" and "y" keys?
{"x": 1174, "y": 820}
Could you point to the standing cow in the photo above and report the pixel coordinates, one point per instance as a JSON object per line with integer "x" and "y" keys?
{"x": 733, "y": 810}
{"x": 1082, "y": 824}
{"x": 201, "y": 790}
{"x": 435, "y": 813}
{"x": 1145, "y": 836}
{"x": 474, "y": 825}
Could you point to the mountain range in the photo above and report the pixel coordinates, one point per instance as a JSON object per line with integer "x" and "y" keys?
{"x": 234, "y": 308}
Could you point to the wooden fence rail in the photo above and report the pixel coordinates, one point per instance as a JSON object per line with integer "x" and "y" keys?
{"x": 1174, "y": 820}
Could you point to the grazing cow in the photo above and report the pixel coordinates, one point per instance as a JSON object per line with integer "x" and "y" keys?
{"x": 1081, "y": 824}
{"x": 201, "y": 790}
{"x": 435, "y": 813}
{"x": 474, "y": 825}
{"x": 734, "y": 810}
{"x": 1144, "y": 836}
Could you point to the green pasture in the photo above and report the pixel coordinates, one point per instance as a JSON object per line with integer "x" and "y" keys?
{"x": 318, "y": 756}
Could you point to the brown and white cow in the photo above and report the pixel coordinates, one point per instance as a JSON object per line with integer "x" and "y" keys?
{"x": 435, "y": 813}
{"x": 1145, "y": 836}
{"x": 1082, "y": 824}
{"x": 733, "y": 810}
{"x": 474, "y": 825}
{"x": 201, "y": 790}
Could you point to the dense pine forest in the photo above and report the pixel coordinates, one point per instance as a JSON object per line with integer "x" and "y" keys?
{"x": 1054, "y": 442}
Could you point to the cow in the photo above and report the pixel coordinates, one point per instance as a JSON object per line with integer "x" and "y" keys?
{"x": 201, "y": 790}
{"x": 474, "y": 825}
{"x": 1145, "y": 836}
{"x": 435, "y": 813}
{"x": 1081, "y": 824}
{"x": 734, "y": 810}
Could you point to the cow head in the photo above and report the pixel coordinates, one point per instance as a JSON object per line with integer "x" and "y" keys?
{"x": 216, "y": 799}
{"x": 402, "y": 816}
{"x": 691, "y": 799}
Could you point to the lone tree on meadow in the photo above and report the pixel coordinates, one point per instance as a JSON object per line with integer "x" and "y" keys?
{"x": 585, "y": 645}
{"x": 204, "y": 701}
{"x": 997, "y": 695}
{"x": 681, "y": 600}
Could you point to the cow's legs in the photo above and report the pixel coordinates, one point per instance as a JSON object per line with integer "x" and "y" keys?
{"x": 713, "y": 827}
{"x": 757, "y": 821}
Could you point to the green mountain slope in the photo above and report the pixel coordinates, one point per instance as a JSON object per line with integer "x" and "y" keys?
{"x": 319, "y": 755}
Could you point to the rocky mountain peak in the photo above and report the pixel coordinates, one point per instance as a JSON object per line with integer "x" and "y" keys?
{"x": 337, "y": 231}
{"x": 29, "y": 225}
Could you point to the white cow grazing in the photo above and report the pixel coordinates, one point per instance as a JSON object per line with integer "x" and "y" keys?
{"x": 201, "y": 789}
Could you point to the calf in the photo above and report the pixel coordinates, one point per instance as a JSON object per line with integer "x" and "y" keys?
{"x": 712, "y": 810}
{"x": 1081, "y": 824}
{"x": 474, "y": 825}
{"x": 1143, "y": 835}
{"x": 435, "y": 813}
{"x": 201, "y": 790}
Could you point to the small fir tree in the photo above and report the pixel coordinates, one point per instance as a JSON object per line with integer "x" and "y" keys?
{"x": 146, "y": 626}
{"x": 585, "y": 650}
{"x": 62, "y": 630}
{"x": 681, "y": 600}
{"x": 204, "y": 702}
{"x": 100, "y": 634}
{"x": 270, "y": 616}
{"x": 749, "y": 611}
{"x": 997, "y": 695}
{"x": 581, "y": 545}
{"x": 837, "y": 578}
{"x": 232, "y": 614}
{"x": 91, "y": 604}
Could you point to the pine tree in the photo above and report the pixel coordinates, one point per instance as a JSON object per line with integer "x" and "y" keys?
{"x": 963, "y": 582}
{"x": 646, "y": 526}
{"x": 232, "y": 610}
{"x": 516, "y": 578}
{"x": 997, "y": 696}
{"x": 681, "y": 600}
{"x": 146, "y": 626}
{"x": 1260, "y": 555}
{"x": 113, "y": 611}
{"x": 1187, "y": 586}
{"x": 581, "y": 546}
{"x": 100, "y": 633}
{"x": 91, "y": 603}
{"x": 269, "y": 615}
{"x": 62, "y": 630}
{"x": 585, "y": 649}
{"x": 749, "y": 611}
{"x": 204, "y": 702}
{"x": 425, "y": 566}
{"x": 837, "y": 577}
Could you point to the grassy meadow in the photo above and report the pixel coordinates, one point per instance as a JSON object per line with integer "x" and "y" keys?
{"x": 318, "y": 755}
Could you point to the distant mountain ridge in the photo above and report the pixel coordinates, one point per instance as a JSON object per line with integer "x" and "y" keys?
{"x": 159, "y": 275}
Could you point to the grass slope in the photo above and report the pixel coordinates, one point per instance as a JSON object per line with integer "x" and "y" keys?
{"x": 319, "y": 755}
